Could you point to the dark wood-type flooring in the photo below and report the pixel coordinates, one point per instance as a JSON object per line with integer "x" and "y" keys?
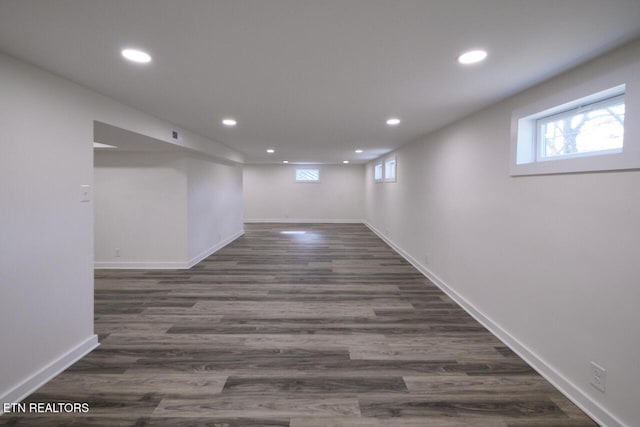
{"x": 326, "y": 328}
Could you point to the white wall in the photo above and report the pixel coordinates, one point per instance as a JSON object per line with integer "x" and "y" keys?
{"x": 163, "y": 210}
{"x": 140, "y": 208}
{"x": 550, "y": 263}
{"x": 46, "y": 265}
{"x": 214, "y": 206}
{"x": 271, "y": 194}
{"x": 46, "y": 248}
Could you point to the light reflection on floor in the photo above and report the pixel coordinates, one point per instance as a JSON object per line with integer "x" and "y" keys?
{"x": 303, "y": 236}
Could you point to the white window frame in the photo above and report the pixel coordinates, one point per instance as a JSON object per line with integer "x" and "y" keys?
{"x": 299, "y": 181}
{"x": 375, "y": 166}
{"x": 578, "y": 109}
{"x": 395, "y": 169}
{"x": 525, "y": 159}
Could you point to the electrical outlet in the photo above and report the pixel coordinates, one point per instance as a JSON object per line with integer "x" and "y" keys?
{"x": 117, "y": 252}
{"x": 598, "y": 376}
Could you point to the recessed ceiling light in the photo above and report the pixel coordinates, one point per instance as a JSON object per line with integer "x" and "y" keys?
{"x": 136, "y": 55}
{"x": 472, "y": 57}
{"x": 393, "y": 121}
{"x": 271, "y": 150}
{"x": 345, "y": 161}
{"x": 229, "y": 122}
{"x": 358, "y": 151}
{"x": 285, "y": 161}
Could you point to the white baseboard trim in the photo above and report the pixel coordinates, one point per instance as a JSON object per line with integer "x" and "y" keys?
{"x": 140, "y": 265}
{"x": 559, "y": 381}
{"x": 165, "y": 265}
{"x": 193, "y": 261}
{"x": 46, "y": 374}
{"x": 303, "y": 221}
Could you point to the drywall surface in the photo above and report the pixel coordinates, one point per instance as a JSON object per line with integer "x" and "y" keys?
{"x": 46, "y": 249}
{"x": 163, "y": 210}
{"x": 140, "y": 209}
{"x": 214, "y": 205}
{"x": 550, "y": 261}
{"x": 272, "y": 194}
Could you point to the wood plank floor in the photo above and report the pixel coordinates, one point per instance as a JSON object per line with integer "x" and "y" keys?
{"x": 327, "y": 328}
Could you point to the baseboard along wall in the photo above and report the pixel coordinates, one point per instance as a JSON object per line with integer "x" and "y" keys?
{"x": 559, "y": 381}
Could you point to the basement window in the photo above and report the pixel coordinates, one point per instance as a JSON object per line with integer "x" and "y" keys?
{"x": 307, "y": 175}
{"x": 585, "y": 130}
{"x": 582, "y": 135}
{"x": 377, "y": 172}
{"x": 390, "y": 169}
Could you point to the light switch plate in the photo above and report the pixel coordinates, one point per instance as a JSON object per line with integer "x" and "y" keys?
{"x": 85, "y": 193}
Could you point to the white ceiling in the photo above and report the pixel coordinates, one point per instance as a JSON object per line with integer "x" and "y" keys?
{"x": 314, "y": 79}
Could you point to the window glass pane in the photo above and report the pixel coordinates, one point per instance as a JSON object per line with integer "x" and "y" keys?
{"x": 390, "y": 169}
{"x": 378, "y": 172}
{"x": 592, "y": 129}
{"x": 308, "y": 175}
